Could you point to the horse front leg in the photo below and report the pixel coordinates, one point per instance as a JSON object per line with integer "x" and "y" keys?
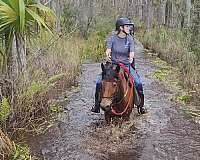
{"x": 108, "y": 117}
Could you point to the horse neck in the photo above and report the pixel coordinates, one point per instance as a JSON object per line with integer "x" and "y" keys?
{"x": 123, "y": 86}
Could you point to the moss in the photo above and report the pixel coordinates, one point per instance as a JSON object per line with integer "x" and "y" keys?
{"x": 56, "y": 78}
{"x": 4, "y": 109}
{"x": 35, "y": 87}
{"x": 160, "y": 62}
{"x": 185, "y": 98}
{"x": 55, "y": 108}
{"x": 161, "y": 74}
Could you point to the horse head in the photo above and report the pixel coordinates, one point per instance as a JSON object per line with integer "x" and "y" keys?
{"x": 114, "y": 85}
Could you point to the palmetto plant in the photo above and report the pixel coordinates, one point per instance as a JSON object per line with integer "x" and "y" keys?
{"x": 19, "y": 19}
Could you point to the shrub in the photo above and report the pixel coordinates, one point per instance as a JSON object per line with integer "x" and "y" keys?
{"x": 4, "y": 109}
{"x": 95, "y": 45}
{"x": 173, "y": 47}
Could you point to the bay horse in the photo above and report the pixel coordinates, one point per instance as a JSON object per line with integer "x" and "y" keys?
{"x": 117, "y": 97}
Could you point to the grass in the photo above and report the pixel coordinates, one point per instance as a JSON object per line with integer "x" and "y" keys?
{"x": 53, "y": 65}
{"x": 173, "y": 47}
{"x": 164, "y": 70}
{"x": 95, "y": 45}
{"x": 4, "y": 109}
{"x": 20, "y": 152}
{"x": 194, "y": 114}
{"x": 185, "y": 98}
{"x": 6, "y": 145}
{"x": 160, "y": 74}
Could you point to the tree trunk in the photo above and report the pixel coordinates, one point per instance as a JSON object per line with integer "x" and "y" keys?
{"x": 140, "y": 10}
{"x": 188, "y": 11}
{"x": 149, "y": 15}
{"x": 57, "y": 8}
{"x": 21, "y": 52}
{"x": 195, "y": 38}
{"x": 162, "y": 13}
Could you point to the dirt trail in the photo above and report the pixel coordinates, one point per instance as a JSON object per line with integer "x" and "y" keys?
{"x": 162, "y": 134}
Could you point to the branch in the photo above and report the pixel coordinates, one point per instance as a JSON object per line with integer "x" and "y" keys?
{"x": 2, "y": 53}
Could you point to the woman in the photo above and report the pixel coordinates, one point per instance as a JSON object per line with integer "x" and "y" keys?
{"x": 120, "y": 49}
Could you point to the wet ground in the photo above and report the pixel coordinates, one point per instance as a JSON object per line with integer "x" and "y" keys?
{"x": 161, "y": 134}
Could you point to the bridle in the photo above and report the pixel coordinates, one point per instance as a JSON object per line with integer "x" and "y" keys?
{"x": 121, "y": 100}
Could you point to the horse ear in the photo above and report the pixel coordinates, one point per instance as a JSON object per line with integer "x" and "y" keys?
{"x": 102, "y": 67}
{"x": 118, "y": 68}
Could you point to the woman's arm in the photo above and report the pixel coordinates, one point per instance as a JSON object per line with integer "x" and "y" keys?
{"x": 109, "y": 43}
{"x": 132, "y": 49}
{"x": 108, "y": 53}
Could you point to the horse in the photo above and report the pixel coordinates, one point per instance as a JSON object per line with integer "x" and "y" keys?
{"x": 117, "y": 96}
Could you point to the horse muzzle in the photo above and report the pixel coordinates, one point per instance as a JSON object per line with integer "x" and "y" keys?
{"x": 106, "y": 105}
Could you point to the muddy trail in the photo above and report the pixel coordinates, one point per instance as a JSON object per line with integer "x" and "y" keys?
{"x": 164, "y": 133}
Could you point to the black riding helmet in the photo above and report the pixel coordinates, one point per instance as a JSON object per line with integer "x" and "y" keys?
{"x": 123, "y": 21}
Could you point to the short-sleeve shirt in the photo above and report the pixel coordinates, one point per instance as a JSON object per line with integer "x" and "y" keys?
{"x": 120, "y": 48}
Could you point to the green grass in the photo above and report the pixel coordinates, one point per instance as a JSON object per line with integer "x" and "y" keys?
{"x": 173, "y": 47}
{"x": 184, "y": 98}
{"x": 20, "y": 153}
{"x": 55, "y": 108}
{"x": 4, "y": 109}
{"x": 95, "y": 44}
{"x": 193, "y": 113}
{"x": 161, "y": 74}
{"x": 56, "y": 78}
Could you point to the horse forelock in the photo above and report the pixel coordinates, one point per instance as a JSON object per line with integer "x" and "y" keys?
{"x": 118, "y": 98}
{"x": 109, "y": 72}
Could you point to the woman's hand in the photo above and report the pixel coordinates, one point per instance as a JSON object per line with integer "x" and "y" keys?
{"x": 108, "y": 54}
{"x": 131, "y": 56}
{"x": 130, "y": 60}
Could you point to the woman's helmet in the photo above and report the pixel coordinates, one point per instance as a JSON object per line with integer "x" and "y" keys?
{"x": 123, "y": 21}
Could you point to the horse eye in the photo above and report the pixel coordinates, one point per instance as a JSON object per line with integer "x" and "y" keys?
{"x": 114, "y": 84}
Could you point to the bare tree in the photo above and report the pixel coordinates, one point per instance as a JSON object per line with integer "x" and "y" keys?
{"x": 195, "y": 38}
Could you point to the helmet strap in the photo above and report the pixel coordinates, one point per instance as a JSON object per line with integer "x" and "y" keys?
{"x": 124, "y": 31}
{"x": 118, "y": 31}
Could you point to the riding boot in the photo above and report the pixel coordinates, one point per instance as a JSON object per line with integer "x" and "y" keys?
{"x": 141, "y": 109}
{"x": 96, "y": 108}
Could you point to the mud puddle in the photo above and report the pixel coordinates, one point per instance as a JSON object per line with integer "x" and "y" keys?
{"x": 161, "y": 134}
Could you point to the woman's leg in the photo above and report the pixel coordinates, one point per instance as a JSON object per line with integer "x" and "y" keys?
{"x": 96, "y": 108}
{"x": 139, "y": 88}
{"x": 137, "y": 80}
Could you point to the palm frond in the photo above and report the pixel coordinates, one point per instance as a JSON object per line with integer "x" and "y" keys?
{"x": 21, "y": 15}
{"x": 14, "y": 4}
{"x": 37, "y": 18}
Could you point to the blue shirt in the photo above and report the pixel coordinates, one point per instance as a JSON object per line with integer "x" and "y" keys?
{"x": 120, "y": 48}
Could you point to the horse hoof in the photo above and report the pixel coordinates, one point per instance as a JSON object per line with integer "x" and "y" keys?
{"x": 143, "y": 110}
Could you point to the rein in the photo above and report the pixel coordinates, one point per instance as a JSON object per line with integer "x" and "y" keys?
{"x": 122, "y": 101}
{"x": 127, "y": 105}
{"x": 122, "y": 97}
